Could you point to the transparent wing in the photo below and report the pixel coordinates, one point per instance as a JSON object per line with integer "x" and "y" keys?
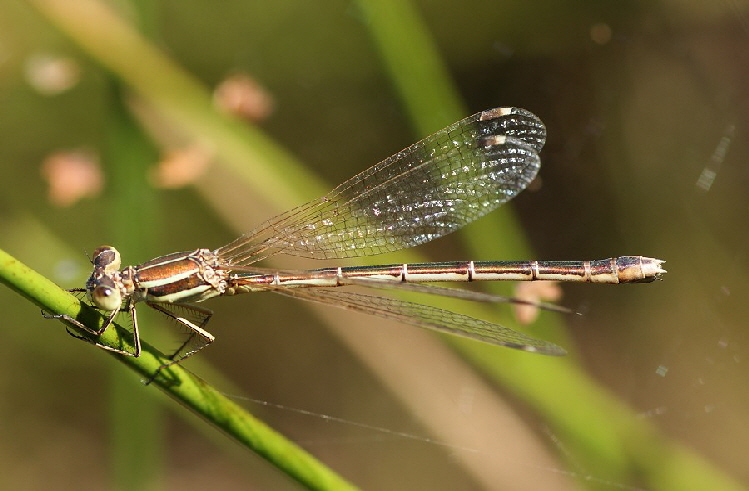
{"x": 425, "y": 316}
{"x": 460, "y": 293}
{"x": 428, "y": 190}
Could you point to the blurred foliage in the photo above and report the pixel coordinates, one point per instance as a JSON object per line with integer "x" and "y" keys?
{"x": 646, "y": 109}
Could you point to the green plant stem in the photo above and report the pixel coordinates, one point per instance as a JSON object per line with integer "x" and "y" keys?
{"x": 415, "y": 67}
{"x": 136, "y": 422}
{"x": 178, "y": 383}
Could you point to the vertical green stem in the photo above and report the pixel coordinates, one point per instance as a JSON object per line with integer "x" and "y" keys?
{"x": 135, "y": 416}
{"x": 413, "y": 64}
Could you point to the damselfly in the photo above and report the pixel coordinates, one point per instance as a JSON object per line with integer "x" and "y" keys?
{"x": 428, "y": 190}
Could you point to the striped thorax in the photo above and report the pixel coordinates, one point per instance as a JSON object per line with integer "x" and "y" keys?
{"x": 175, "y": 278}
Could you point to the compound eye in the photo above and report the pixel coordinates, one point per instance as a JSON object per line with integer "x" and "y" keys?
{"x": 106, "y": 298}
{"x": 106, "y": 257}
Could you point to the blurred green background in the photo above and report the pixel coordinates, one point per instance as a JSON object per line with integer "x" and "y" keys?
{"x": 646, "y": 109}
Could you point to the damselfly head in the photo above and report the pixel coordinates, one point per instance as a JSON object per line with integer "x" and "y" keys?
{"x": 103, "y": 285}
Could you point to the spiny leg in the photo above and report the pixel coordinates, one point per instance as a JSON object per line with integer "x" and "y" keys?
{"x": 98, "y": 332}
{"x": 198, "y": 337}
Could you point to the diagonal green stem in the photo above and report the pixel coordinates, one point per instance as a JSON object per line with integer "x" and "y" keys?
{"x": 181, "y": 385}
